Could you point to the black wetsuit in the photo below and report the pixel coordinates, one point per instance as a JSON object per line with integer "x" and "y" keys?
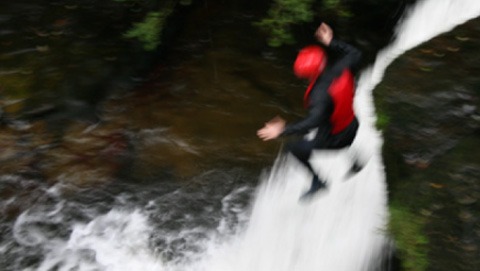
{"x": 330, "y": 108}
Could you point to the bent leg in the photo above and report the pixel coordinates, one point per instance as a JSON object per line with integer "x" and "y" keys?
{"x": 302, "y": 150}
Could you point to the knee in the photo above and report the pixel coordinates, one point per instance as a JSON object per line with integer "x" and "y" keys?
{"x": 299, "y": 150}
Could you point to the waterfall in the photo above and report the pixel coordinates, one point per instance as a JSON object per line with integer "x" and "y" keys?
{"x": 344, "y": 227}
{"x": 341, "y": 229}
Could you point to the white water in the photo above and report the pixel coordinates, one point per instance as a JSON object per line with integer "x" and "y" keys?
{"x": 339, "y": 230}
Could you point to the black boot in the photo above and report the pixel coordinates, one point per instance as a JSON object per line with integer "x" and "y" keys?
{"x": 317, "y": 185}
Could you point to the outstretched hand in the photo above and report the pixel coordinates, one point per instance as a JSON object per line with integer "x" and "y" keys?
{"x": 324, "y": 34}
{"x": 272, "y": 129}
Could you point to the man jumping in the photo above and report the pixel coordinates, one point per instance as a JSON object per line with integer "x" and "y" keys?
{"x": 329, "y": 99}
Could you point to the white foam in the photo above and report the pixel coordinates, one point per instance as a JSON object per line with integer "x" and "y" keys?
{"x": 118, "y": 240}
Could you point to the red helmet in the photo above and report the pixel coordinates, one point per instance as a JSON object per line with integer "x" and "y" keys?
{"x": 310, "y": 62}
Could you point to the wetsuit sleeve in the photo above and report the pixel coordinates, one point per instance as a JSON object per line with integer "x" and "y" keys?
{"x": 349, "y": 58}
{"x": 318, "y": 113}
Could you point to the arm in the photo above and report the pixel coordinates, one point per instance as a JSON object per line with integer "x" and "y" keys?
{"x": 272, "y": 129}
{"x": 349, "y": 55}
{"x": 318, "y": 113}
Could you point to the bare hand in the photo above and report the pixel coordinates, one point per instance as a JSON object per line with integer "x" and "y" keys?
{"x": 324, "y": 34}
{"x": 272, "y": 129}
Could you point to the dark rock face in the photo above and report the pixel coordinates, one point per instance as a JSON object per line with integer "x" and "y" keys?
{"x": 431, "y": 96}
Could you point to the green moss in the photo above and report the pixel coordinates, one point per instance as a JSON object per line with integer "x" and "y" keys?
{"x": 382, "y": 121}
{"x": 411, "y": 243}
{"x": 404, "y": 226}
{"x": 148, "y": 32}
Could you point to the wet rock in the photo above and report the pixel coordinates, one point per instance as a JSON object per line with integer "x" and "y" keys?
{"x": 436, "y": 207}
{"x": 469, "y": 109}
{"x": 466, "y": 216}
{"x": 19, "y": 125}
{"x": 40, "y": 111}
{"x": 71, "y": 7}
{"x": 426, "y": 212}
{"x": 470, "y": 247}
{"x": 437, "y": 185}
{"x": 43, "y": 48}
{"x": 467, "y": 200}
{"x": 2, "y": 116}
{"x": 416, "y": 161}
{"x": 434, "y": 127}
{"x": 477, "y": 232}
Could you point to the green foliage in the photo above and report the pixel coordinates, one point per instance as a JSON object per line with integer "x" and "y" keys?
{"x": 331, "y": 4}
{"x": 411, "y": 243}
{"x": 281, "y": 16}
{"x": 185, "y": 2}
{"x": 182, "y": 2}
{"x": 148, "y": 32}
{"x": 336, "y": 7}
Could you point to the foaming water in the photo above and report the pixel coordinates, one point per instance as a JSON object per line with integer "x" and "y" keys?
{"x": 132, "y": 228}
{"x": 118, "y": 240}
{"x": 341, "y": 229}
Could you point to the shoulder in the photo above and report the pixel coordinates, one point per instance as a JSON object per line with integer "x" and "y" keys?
{"x": 319, "y": 94}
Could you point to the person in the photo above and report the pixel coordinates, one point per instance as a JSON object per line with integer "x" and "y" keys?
{"x": 329, "y": 99}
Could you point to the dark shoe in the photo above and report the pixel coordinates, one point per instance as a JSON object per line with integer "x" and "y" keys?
{"x": 356, "y": 168}
{"x": 316, "y": 186}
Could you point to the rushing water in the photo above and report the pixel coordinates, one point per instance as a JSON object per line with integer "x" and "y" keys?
{"x": 219, "y": 221}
